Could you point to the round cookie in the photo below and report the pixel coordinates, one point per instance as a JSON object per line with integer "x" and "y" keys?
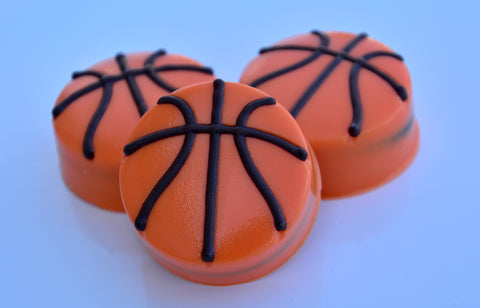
{"x": 96, "y": 112}
{"x": 352, "y": 97}
{"x": 220, "y": 183}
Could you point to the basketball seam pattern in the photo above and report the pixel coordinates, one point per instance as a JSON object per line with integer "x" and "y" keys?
{"x": 240, "y": 131}
{"x": 358, "y": 63}
{"x": 106, "y": 82}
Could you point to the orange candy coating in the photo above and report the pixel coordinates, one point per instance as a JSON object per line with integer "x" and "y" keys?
{"x": 389, "y": 136}
{"x": 246, "y": 243}
{"x": 96, "y": 180}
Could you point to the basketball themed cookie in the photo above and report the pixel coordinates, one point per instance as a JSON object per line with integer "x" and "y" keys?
{"x": 352, "y": 97}
{"x": 220, "y": 183}
{"x": 96, "y": 112}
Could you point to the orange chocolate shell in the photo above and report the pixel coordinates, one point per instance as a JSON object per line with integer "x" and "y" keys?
{"x": 352, "y": 97}
{"x": 96, "y": 112}
{"x": 220, "y": 183}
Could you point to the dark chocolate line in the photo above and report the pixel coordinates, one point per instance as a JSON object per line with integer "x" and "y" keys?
{"x": 240, "y": 142}
{"x": 88, "y": 150}
{"x": 286, "y": 70}
{"x": 162, "y": 184}
{"x": 357, "y": 118}
{"x": 87, "y": 73}
{"x": 178, "y": 67}
{"x": 287, "y": 47}
{"x": 404, "y": 131}
{"x": 141, "y": 142}
{"x": 208, "y": 252}
{"x": 58, "y": 109}
{"x": 401, "y": 91}
{"x": 171, "y": 173}
{"x": 298, "y": 106}
{"x": 154, "y": 56}
{"x": 132, "y": 85}
{"x": 346, "y": 57}
{"x": 151, "y": 71}
{"x": 324, "y": 41}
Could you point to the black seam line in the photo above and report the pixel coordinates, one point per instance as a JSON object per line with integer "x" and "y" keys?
{"x": 114, "y": 78}
{"x": 357, "y": 118}
{"x": 277, "y": 213}
{"x": 171, "y": 173}
{"x": 141, "y": 142}
{"x": 315, "y": 85}
{"x": 327, "y": 51}
{"x": 132, "y": 86}
{"x": 88, "y": 150}
{"x": 324, "y": 41}
{"x": 57, "y": 110}
{"x": 208, "y": 251}
{"x": 164, "y": 182}
{"x": 330, "y": 52}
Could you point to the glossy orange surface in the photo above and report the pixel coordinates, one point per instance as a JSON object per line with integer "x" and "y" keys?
{"x": 96, "y": 180}
{"x": 247, "y": 245}
{"x": 389, "y": 138}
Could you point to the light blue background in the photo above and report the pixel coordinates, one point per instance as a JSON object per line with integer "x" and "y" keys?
{"x": 411, "y": 243}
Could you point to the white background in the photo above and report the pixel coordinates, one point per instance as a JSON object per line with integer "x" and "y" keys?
{"x": 413, "y": 242}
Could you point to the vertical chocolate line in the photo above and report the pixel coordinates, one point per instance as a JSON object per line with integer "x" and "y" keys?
{"x": 357, "y": 117}
{"x": 298, "y": 106}
{"x": 240, "y": 142}
{"x": 88, "y": 150}
{"x": 132, "y": 85}
{"x": 208, "y": 253}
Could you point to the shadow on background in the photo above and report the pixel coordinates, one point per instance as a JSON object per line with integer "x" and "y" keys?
{"x": 359, "y": 217}
{"x": 110, "y": 230}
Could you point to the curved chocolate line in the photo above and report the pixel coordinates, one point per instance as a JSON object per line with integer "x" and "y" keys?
{"x": 357, "y": 119}
{"x": 324, "y": 41}
{"x": 92, "y": 126}
{"x": 154, "y": 56}
{"x": 171, "y": 173}
{"x": 240, "y": 142}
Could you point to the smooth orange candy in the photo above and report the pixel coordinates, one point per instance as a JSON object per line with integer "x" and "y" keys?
{"x": 96, "y": 112}
{"x": 352, "y": 97}
{"x": 220, "y": 183}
